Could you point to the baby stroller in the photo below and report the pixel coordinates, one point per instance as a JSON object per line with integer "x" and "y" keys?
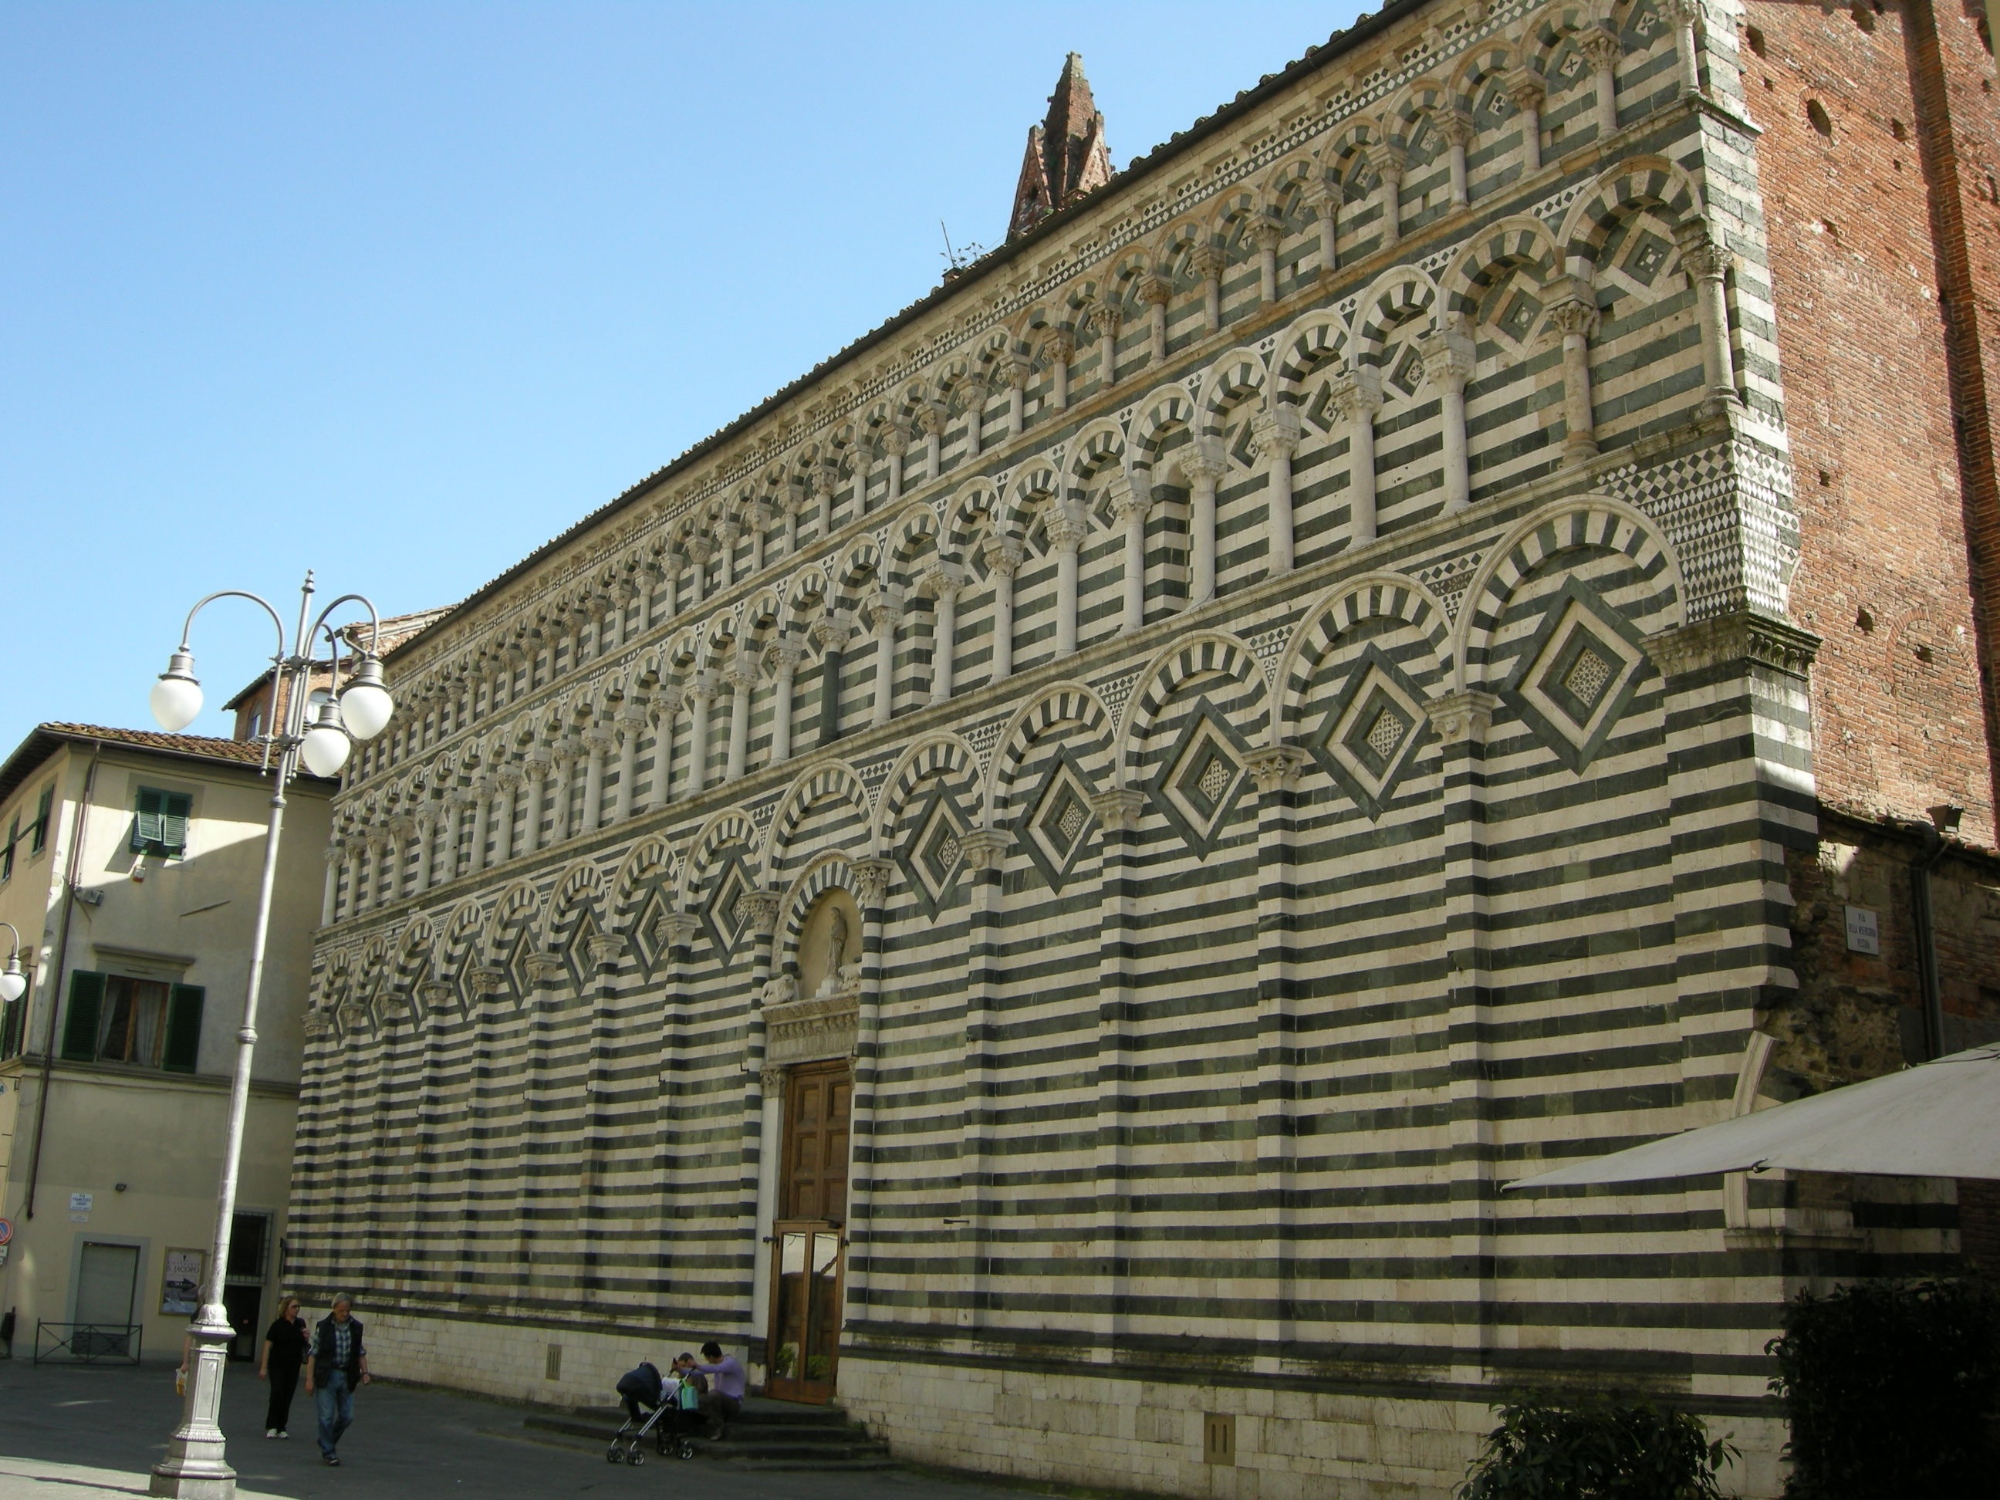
{"x": 666, "y": 1419}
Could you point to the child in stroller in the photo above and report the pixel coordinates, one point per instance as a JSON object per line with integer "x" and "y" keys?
{"x": 655, "y": 1406}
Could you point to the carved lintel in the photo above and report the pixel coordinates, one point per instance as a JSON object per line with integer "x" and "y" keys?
{"x": 1740, "y": 636}
{"x": 1275, "y": 768}
{"x": 1463, "y": 715}
{"x": 810, "y": 1030}
{"x": 1118, "y": 808}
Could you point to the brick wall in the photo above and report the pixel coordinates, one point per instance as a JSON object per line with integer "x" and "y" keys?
{"x": 1857, "y": 170}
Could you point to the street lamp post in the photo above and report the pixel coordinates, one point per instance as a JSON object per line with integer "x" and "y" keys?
{"x": 196, "y": 1464}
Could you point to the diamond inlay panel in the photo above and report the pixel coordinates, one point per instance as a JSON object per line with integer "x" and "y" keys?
{"x": 1054, "y": 828}
{"x": 1200, "y": 778}
{"x": 1371, "y": 736}
{"x": 723, "y": 914}
{"x": 933, "y": 854}
{"x": 1578, "y": 674}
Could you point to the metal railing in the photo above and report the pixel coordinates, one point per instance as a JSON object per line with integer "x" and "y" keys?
{"x": 87, "y": 1343}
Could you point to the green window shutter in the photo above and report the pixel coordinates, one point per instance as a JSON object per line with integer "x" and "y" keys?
{"x": 146, "y": 826}
{"x": 183, "y": 1044}
{"x": 42, "y": 807}
{"x": 86, "y": 1002}
{"x": 174, "y": 822}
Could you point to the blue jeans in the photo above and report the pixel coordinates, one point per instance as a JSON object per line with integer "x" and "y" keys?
{"x": 336, "y": 1410}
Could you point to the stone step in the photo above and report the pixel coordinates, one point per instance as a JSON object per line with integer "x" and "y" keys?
{"x": 767, "y": 1436}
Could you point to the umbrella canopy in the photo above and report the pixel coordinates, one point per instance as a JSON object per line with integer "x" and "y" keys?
{"x": 1938, "y": 1120}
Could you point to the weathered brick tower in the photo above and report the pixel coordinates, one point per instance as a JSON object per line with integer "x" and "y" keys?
{"x": 1042, "y": 882}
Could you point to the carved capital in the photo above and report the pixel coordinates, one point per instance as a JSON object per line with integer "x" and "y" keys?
{"x": 931, "y": 419}
{"x": 699, "y": 548}
{"x": 1201, "y": 464}
{"x": 871, "y": 881}
{"x": 1463, "y": 715}
{"x": 1357, "y": 395}
{"x": 831, "y": 633}
{"x": 942, "y": 580}
{"x": 674, "y": 929}
{"x": 1119, "y": 808}
{"x": 1525, "y": 89}
{"x": 1061, "y": 346}
{"x": 1601, "y": 45}
{"x": 1275, "y": 434}
{"x": 1066, "y": 528}
{"x": 1738, "y": 637}
{"x": 760, "y": 912}
{"x": 771, "y": 1077}
{"x": 784, "y": 655}
{"x": 1156, "y": 290}
{"x": 984, "y": 848}
{"x": 1574, "y": 313}
{"x": 896, "y": 440}
{"x": 1003, "y": 555}
{"x": 1455, "y": 126}
{"x": 606, "y": 948}
{"x": 1388, "y": 161}
{"x": 884, "y": 611}
{"x": 1275, "y": 768}
{"x": 1210, "y": 261}
{"x": 1704, "y": 255}
{"x": 1268, "y": 233}
{"x": 1129, "y": 503}
{"x": 1448, "y": 358}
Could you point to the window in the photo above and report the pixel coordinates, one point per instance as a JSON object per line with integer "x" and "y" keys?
{"x": 147, "y": 1023}
{"x": 7, "y": 854}
{"x": 43, "y": 804}
{"x": 160, "y": 826}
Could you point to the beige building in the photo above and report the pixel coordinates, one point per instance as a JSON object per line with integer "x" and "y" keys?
{"x": 130, "y": 868}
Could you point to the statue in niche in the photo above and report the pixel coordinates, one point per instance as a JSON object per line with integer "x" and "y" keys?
{"x": 836, "y": 953}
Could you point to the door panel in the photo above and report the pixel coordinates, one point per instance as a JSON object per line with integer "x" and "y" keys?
{"x": 106, "y": 1279}
{"x": 806, "y": 1306}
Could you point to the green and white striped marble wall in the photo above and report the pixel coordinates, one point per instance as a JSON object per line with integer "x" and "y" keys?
{"x": 1221, "y": 962}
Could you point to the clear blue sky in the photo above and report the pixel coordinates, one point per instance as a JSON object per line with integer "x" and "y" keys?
{"x": 399, "y": 291}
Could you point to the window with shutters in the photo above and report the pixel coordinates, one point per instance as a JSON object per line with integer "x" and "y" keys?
{"x": 147, "y": 1023}
{"x": 38, "y": 839}
{"x": 160, "y": 822}
{"x": 7, "y": 853}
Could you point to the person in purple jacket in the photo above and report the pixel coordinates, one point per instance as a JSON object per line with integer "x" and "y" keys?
{"x": 725, "y": 1387}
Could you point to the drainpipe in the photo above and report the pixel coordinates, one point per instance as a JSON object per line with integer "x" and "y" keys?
{"x": 1931, "y": 849}
{"x": 73, "y": 868}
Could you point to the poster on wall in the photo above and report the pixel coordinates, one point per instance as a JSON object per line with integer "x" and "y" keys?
{"x": 180, "y": 1289}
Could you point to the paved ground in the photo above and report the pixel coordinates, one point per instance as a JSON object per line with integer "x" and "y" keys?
{"x": 67, "y": 1433}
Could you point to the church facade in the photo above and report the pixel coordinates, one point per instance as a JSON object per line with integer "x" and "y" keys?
{"x": 1040, "y": 884}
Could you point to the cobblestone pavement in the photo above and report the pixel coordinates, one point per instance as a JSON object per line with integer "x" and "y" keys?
{"x": 66, "y": 1433}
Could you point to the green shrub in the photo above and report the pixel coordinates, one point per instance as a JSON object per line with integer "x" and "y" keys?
{"x": 1887, "y": 1386}
{"x": 1597, "y": 1449}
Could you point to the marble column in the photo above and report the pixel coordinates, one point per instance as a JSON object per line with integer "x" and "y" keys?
{"x": 742, "y": 680}
{"x": 1130, "y": 505}
{"x": 884, "y": 614}
{"x": 1601, "y": 46}
{"x": 1019, "y": 370}
{"x": 336, "y": 852}
{"x": 1061, "y": 347}
{"x": 482, "y": 809}
{"x": 1573, "y": 319}
{"x": 630, "y": 722}
{"x": 1155, "y": 291}
{"x": 1526, "y": 92}
{"x": 895, "y": 445}
{"x": 930, "y": 421}
{"x": 974, "y": 393}
{"x": 1388, "y": 162}
{"x": 1325, "y": 198}
{"x": 728, "y": 533}
{"x": 1003, "y": 559}
{"x": 1203, "y": 469}
{"x": 426, "y": 830}
{"x": 699, "y": 550}
{"x": 504, "y": 783}
{"x": 536, "y": 777}
{"x": 942, "y": 582}
{"x": 1688, "y": 19}
{"x": 1107, "y": 347}
{"x": 784, "y": 657}
{"x": 596, "y": 746}
{"x": 1448, "y": 357}
{"x": 666, "y": 708}
{"x": 1274, "y": 438}
{"x": 1269, "y": 234}
{"x": 1456, "y": 128}
{"x": 1706, "y": 260}
{"x": 1210, "y": 262}
{"x": 831, "y": 634}
{"x": 1357, "y": 396}
{"x": 1066, "y": 534}
{"x": 700, "y": 695}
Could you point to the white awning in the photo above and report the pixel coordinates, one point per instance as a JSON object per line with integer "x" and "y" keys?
{"x": 1941, "y": 1119}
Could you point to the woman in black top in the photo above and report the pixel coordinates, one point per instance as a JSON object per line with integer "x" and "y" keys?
{"x": 283, "y": 1355}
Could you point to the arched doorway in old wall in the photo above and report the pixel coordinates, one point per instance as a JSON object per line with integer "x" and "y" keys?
{"x": 810, "y": 1024}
